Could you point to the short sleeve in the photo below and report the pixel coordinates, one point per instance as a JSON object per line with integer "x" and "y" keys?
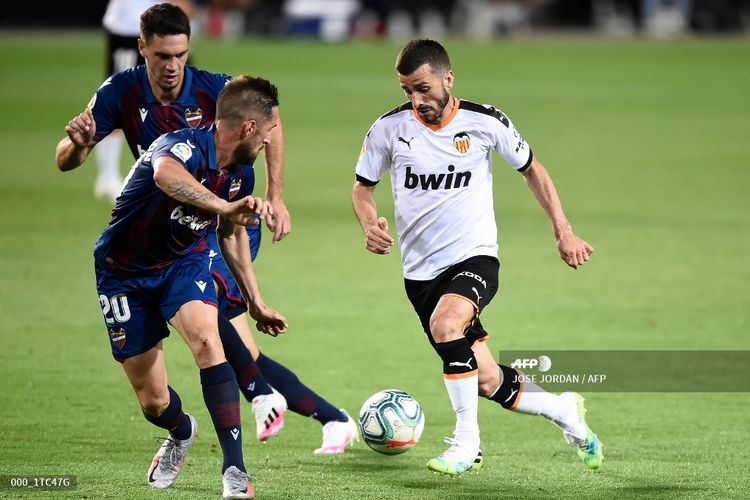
{"x": 508, "y": 141}
{"x": 176, "y": 147}
{"x": 105, "y": 106}
{"x": 374, "y": 158}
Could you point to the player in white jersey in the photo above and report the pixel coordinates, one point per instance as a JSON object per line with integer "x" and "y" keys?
{"x": 439, "y": 153}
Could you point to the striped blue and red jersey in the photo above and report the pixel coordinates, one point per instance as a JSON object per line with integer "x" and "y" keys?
{"x": 125, "y": 101}
{"x": 149, "y": 230}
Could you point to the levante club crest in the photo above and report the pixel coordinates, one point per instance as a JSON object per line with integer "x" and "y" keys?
{"x": 118, "y": 337}
{"x": 193, "y": 116}
{"x": 234, "y": 188}
{"x": 462, "y": 142}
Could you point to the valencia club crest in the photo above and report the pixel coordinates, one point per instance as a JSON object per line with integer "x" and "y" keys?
{"x": 462, "y": 142}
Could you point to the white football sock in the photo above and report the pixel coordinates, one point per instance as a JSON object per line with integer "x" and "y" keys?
{"x": 108, "y": 152}
{"x": 533, "y": 400}
{"x": 464, "y": 396}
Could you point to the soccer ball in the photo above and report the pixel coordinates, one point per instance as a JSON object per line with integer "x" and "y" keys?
{"x": 391, "y": 422}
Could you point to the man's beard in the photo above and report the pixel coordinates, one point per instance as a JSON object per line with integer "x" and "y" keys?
{"x": 441, "y": 107}
{"x": 245, "y": 155}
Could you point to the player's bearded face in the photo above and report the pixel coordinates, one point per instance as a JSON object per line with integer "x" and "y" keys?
{"x": 251, "y": 145}
{"x": 248, "y": 149}
{"x": 433, "y": 113}
{"x": 429, "y": 93}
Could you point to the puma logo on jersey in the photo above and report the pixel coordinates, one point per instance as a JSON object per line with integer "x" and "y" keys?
{"x": 408, "y": 143}
{"x": 459, "y": 363}
{"x": 436, "y": 181}
{"x": 144, "y": 113}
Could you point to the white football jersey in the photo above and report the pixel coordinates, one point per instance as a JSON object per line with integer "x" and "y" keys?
{"x": 441, "y": 177}
{"x": 123, "y": 17}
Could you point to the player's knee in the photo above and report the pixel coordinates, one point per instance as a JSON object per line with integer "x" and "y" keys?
{"x": 153, "y": 404}
{"x": 446, "y": 326}
{"x": 488, "y": 382}
{"x": 206, "y": 346}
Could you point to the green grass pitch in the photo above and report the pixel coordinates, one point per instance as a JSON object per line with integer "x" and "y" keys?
{"x": 648, "y": 145}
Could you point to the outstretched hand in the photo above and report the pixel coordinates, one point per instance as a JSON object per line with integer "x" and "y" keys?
{"x": 574, "y": 251}
{"x": 81, "y": 129}
{"x": 377, "y": 239}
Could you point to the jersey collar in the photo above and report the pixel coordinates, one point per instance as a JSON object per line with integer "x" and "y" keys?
{"x": 187, "y": 86}
{"x": 442, "y": 124}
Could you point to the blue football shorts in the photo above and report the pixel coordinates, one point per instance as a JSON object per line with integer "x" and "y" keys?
{"x": 136, "y": 309}
{"x": 231, "y": 302}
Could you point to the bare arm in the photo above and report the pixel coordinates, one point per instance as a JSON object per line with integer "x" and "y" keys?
{"x": 235, "y": 249}
{"x": 274, "y": 155}
{"x": 573, "y": 250}
{"x": 73, "y": 150}
{"x": 377, "y": 239}
{"x": 177, "y": 183}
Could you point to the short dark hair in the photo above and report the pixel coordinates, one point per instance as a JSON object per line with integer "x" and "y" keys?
{"x": 164, "y": 19}
{"x": 245, "y": 96}
{"x": 422, "y": 51}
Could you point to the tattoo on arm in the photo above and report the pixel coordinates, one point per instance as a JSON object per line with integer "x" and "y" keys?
{"x": 183, "y": 191}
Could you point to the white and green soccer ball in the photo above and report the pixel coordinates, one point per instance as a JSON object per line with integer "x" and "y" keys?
{"x": 391, "y": 422}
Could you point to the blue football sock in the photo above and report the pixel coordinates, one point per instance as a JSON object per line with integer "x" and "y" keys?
{"x": 249, "y": 377}
{"x": 300, "y": 398}
{"x": 223, "y": 402}
{"x": 172, "y": 418}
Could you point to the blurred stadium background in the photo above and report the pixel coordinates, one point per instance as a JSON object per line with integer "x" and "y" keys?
{"x": 337, "y": 20}
{"x": 643, "y": 125}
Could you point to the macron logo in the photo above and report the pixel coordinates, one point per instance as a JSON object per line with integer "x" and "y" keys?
{"x": 144, "y": 113}
{"x": 235, "y": 433}
{"x": 202, "y": 285}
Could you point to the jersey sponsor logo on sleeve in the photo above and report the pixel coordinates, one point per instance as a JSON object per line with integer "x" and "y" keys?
{"x": 234, "y": 188}
{"x": 182, "y": 151}
{"x": 462, "y": 142}
{"x": 521, "y": 143}
{"x": 193, "y": 116}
